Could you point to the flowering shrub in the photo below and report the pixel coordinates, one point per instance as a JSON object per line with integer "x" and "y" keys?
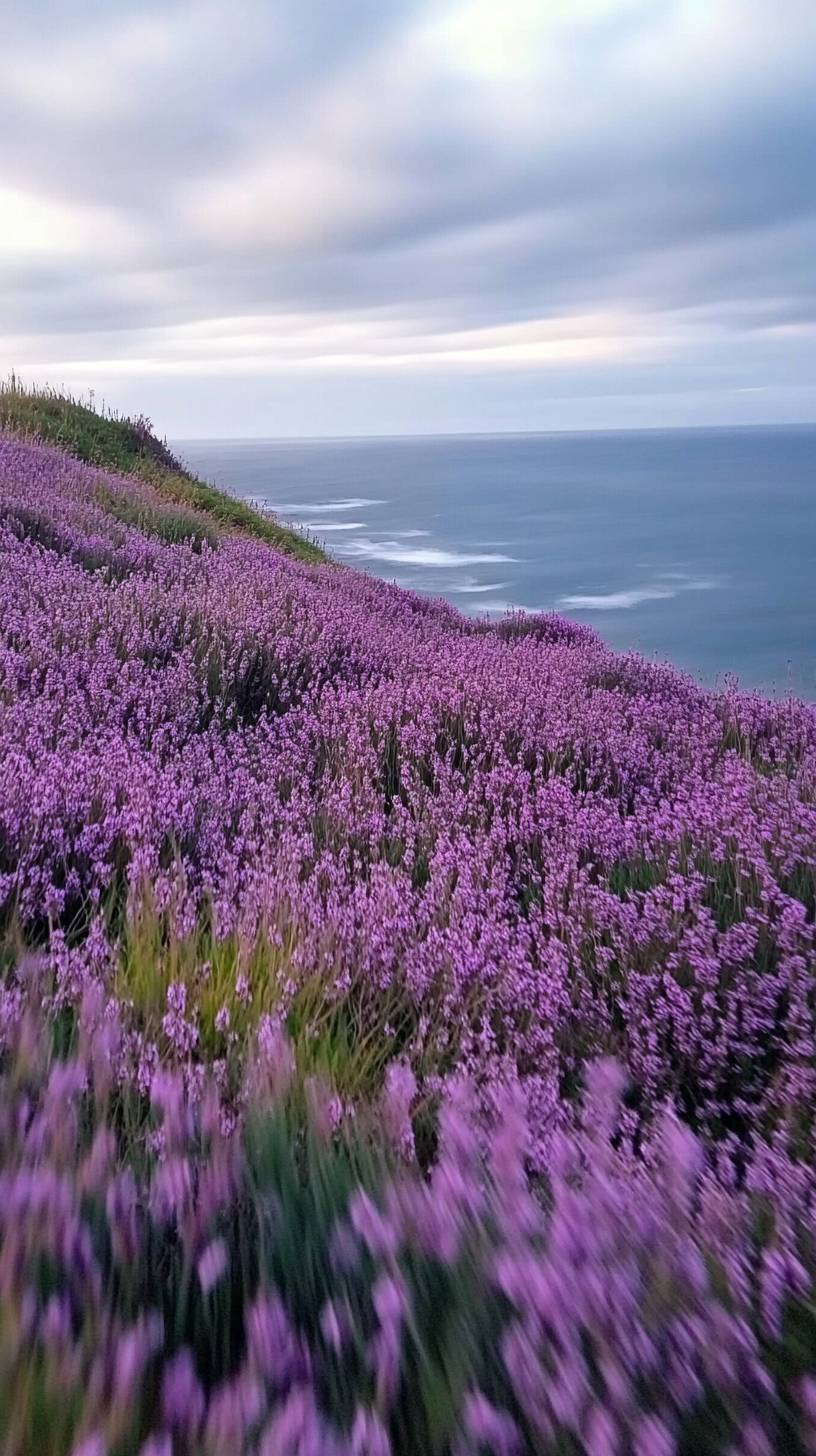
{"x": 292, "y": 1291}
{"x": 504, "y": 849}
{"x": 322, "y": 910}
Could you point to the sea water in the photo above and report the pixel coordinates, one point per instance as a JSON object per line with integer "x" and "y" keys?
{"x": 697, "y": 546}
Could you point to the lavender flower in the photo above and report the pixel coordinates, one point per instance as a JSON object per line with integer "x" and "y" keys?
{"x": 515, "y": 850}
{"x": 212, "y": 1264}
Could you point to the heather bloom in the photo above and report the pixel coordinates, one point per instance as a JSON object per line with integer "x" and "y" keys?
{"x": 182, "y": 1398}
{"x": 179, "y": 1029}
{"x": 66, "y": 1081}
{"x": 97, "y": 1165}
{"x": 121, "y": 1206}
{"x": 235, "y": 1407}
{"x": 296, "y": 1427}
{"x": 274, "y": 1063}
{"x": 172, "y": 1190}
{"x": 782, "y": 1275}
{"x": 601, "y": 1436}
{"x": 333, "y": 1325}
{"x": 652, "y": 1437}
{"x": 160, "y": 1445}
{"x": 389, "y": 1299}
{"x": 56, "y": 1324}
{"x": 167, "y": 1096}
{"x": 390, "y": 1304}
{"x": 368, "y": 1435}
{"x": 514, "y": 849}
{"x": 93, "y": 1445}
{"x": 753, "y": 1439}
{"x": 212, "y": 1264}
{"x": 325, "y": 1110}
{"x": 807, "y": 1397}
{"x": 400, "y": 1091}
{"x": 274, "y": 1351}
{"x": 133, "y": 1349}
{"x": 499, "y": 817}
{"x": 374, "y": 1229}
{"x": 488, "y": 1428}
{"x": 612, "y": 1263}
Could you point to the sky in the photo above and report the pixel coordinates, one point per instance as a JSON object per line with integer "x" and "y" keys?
{"x": 341, "y": 217}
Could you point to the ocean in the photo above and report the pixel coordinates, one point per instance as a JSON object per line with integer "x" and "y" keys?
{"x": 696, "y": 546}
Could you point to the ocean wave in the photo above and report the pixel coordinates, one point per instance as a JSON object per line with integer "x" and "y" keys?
{"x": 475, "y": 588}
{"x": 314, "y": 508}
{"x": 634, "y": 596}
{"x": 323, "y": 526}
{"x": 392, "y": 551}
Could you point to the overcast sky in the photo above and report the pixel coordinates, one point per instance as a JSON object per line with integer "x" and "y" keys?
{"x": 266, "y": 217}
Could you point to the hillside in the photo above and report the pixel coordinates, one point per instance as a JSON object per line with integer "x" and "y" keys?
{"x": 407, "y": 1023}
{"x": 130, "y": 447}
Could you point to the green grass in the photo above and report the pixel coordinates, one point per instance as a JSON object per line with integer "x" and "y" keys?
{"x": 348, "y": 1040}
{"x": 170, "y": 523}
{"x": 130, "y": 447}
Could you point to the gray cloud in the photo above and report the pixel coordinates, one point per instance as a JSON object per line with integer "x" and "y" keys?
{"x": 538, "y": 210}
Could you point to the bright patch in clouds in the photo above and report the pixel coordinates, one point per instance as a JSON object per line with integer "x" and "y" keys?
{"x": 34, "y": 227}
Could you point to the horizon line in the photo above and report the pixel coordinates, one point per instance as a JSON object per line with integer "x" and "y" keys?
{"x": 492, "y": 434}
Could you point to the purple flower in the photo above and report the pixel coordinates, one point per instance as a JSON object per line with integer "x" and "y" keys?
{"x": 275, "y": 1061}
{"x": 182, "y": 1398}
{"x": 601, "y": 1437}
{"x": 93, "y": 1445}
{"x": 488, "y": 1427}
{"x": 212, "y": 1264}
{"x": 235, "y": 1407}
{"x": 180, "y": 1030}
{"x": 132, "y": 1351}
{"x": 399, "y": 1093}
{"x": 652, "y": 1437}
{"x": 372, "y": 1227}
{"x": 390, "y": 1299}
{"x": 508, "y": 845}
{"x": 172, "y": 1189}
{"x": 334, "y": 1325}
{"x": 160, "y": 1445}
{"x": 368, "y": 1435}
{"x": 274, "y": 1350}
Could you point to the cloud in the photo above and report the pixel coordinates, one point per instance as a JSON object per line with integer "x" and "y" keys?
{"x": 473, "y": 210}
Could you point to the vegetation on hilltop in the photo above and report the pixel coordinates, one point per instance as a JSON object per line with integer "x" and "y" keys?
{"x": 130, "y": 447}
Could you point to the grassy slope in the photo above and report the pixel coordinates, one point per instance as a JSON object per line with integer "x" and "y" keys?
{"x": 129, "y": 447}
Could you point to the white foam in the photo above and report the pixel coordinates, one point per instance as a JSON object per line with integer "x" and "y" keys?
{"x": 475, "y": 588}
{"x": 621, "y": 600}
{"x": 685, "y": 582}
{"x": 392, "y": 551}
{"x": 323, "y": 526}
{"x": 314, "y": 508}
{"x": 616, "y": 601}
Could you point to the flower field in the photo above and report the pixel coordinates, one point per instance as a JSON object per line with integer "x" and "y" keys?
{"x": 407, "y": 1023}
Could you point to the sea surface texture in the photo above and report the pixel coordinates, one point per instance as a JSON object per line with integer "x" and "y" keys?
{"x": 696, "y": 546}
